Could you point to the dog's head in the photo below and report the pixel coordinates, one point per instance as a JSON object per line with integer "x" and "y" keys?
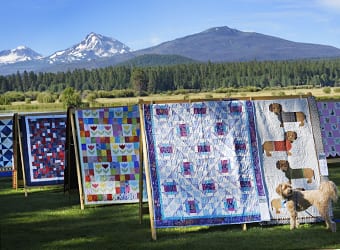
{"x": 276, "y": 108}
{"x": 290, "y": 136}
{"x": 285, "y": 190}
{"x": 282, "y": 165}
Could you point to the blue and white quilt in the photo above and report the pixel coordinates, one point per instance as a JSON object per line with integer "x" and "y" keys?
{"x": 204, "y": 163}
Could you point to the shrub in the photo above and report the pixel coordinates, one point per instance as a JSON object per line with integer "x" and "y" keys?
{"x": 327, "y": 90}
{"x": 45, "y": 97}
{"x": 14, "y": 96}
{"x": 4, "y": 100}
{"x": 336, "y": 90}
{"x": 70, "y": 97}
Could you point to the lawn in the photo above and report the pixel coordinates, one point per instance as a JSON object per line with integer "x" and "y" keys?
{"x": 50, "y": 219}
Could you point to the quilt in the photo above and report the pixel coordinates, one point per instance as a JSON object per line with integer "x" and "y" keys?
{"x": 289, "y": 153}
{"x": 204, "y": 163}
{"x": 329, "y": 112}
{"x": 44, "y": 149}
{"x": 6, "y": 146}
{"x": 109, "y": 154}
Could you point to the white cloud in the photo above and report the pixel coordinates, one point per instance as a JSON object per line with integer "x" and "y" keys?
{"x": 330, "y": 4}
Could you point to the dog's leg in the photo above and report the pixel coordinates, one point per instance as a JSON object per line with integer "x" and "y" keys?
{"x": 293, "y": 220}
{"x": 331, "y": 225}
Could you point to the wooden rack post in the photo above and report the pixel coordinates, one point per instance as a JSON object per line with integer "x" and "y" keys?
{"x": 147, "y": 173}
{"x": 75, "y": 143}
{"x": 17, "y": 123}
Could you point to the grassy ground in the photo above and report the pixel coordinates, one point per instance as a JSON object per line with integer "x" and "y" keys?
{"x": 34, "y": 106}
{"x": 317, "y": 92}
{"x": 50, "y": 219}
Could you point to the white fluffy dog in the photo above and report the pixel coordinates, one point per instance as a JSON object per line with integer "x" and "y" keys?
{"x": 298, "y": 200}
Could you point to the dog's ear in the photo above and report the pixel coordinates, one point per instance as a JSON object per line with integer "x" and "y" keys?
{"x": 278, "y": 165}
{"x": 280, "y": 106}
{"x": 295, "y": 135}
{"x": 271, "y": 107}
{"x": 279, "y": 189}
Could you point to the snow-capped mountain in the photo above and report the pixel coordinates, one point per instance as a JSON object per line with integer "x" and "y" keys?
{"x": 218, "y": 44}
{"x": 94, "y": 46}
{"x": 19, "y": 54}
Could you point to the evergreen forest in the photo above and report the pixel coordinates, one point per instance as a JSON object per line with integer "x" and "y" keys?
{"x": 190, "y": 76}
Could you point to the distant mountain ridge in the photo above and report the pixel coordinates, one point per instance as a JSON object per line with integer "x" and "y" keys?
{"x": 223, "y": 44}
{"x": 219, "y": 44}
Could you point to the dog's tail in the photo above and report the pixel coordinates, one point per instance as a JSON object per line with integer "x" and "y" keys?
{"x": 329, "y": 189}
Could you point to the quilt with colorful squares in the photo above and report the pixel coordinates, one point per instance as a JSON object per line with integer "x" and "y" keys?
{"x": 204, "y": 163}
{"x": 109, "y": 154}
{"x": 44, "y": 149}
{"x": 6, "y": 146}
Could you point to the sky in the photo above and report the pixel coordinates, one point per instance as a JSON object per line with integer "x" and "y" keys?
{"x": 47, "y": 26}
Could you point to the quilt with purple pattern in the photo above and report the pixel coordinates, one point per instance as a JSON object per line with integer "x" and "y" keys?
{"x": 330, "y": 127}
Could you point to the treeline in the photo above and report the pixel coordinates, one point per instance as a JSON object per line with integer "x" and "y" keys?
{"x": 193, "y": 76}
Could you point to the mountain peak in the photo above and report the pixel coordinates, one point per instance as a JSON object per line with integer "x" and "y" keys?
{"x": 94, "y": 46}
{"x": 21, "y": 47}
{"x": 19, "y": 54}
{"x": 224, "y": 30}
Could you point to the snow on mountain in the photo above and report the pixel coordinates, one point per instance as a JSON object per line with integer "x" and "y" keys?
{"x": 94, "y": 46}
{"x": 19, "y": 54}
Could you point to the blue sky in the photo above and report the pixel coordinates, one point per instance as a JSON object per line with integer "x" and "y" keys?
{"x": 47, "y": 26}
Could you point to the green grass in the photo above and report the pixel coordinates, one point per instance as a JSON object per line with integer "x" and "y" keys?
{"x": 50, "y": 219}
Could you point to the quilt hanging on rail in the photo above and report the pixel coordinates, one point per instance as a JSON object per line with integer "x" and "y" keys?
{"x": 289, "y": 151}
{"x": 204, "y": 163}
{"x": 6, "y": 146}
{"x": 329, "y": 112}
{"x": 44, "y": 148}
{"x": 109, "y": 145}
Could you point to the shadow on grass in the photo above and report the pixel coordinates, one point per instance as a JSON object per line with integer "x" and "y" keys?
{"x": 50, "y": 219}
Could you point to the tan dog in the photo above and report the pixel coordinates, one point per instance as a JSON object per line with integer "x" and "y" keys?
{"x": 278, "y": 203}
{"x": 295, "y": 173}
{"x": 298, "y": 201}
{"x": 276, "y": 108}
{"x": 285, "y": 145}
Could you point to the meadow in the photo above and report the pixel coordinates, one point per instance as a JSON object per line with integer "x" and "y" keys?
{"x": 35, "y": 106}
{"x": 48, "y": 218}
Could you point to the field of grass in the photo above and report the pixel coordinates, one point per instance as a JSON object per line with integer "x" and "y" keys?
{"x": 317, "y": 92}
{"x": 34, "y": 106}
{"x": 50, "y": 219}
